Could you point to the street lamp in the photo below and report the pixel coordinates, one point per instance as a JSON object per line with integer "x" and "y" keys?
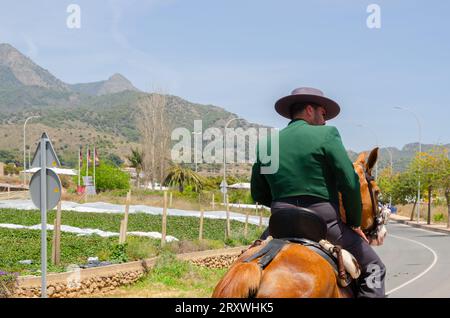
{"x": 224, "y": 157}
{"x": 420, "y": 150}
{"x": 377, "y": 145}
{"x": 24, "y": 150}
{"x": 392, "y": 170}
{"x": 195, "y": 147}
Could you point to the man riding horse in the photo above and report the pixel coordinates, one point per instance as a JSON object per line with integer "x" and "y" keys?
{"x": 313, "y": 169}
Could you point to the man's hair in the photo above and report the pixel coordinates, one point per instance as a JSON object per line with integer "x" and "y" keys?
{"x": 299, "y": 107}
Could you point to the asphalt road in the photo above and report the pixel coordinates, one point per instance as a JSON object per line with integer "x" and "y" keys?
{"x": 417, "y": 262}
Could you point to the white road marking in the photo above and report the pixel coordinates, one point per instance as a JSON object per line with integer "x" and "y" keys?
{"x": 421, "y": 274}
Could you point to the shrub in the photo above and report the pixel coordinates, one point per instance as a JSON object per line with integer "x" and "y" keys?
{"x": 136, "y": 249}
{"x": 108, "y": 177}
{"x": 11, "y": 168}
{"x": 119, "y": 253}
{"x": 438, "y": 217}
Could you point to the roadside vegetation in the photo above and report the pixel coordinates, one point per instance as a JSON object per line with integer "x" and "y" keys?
{"x": 432, "y": 168}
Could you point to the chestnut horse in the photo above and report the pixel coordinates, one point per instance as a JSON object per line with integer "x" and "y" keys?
{"x": 297, "y": 271}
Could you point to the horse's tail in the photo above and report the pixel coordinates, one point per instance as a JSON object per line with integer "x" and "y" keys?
{"x": 241, "y": 281}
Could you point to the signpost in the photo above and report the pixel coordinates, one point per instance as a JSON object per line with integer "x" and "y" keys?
{"x": 45, "y": 190}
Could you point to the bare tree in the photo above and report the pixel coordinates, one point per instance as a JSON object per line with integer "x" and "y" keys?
{"x": 154, "y": 129}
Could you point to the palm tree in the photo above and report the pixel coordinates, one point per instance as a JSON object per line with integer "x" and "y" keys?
{"x": 136, "y": 162}
{"x": 181, "y": 177}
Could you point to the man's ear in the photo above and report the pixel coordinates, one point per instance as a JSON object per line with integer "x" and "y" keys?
{"x": 372, "y": 159}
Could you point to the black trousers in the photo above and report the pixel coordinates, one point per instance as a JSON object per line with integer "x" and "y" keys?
{"x": 371, "y": 282}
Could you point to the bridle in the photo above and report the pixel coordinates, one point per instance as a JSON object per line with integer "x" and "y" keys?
{"x": 375, "y": 211}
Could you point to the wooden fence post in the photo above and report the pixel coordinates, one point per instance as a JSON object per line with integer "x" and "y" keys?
{"x": 54, "y": 243}
{"x": 56, "y": 246}
{"x": 228, "y": 228}
{"x": 124, "y": 221}
{"x": 260, "y": 216}
{"x": 212, "y": 202}
{"x": 121, "y": 235}
{"x": 200, "y": 233}
{"x": 164, "y": 221}
{"x": 246, "y": 223}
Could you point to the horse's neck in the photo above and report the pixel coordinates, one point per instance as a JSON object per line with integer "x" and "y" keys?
{"x": 366, "y": 219}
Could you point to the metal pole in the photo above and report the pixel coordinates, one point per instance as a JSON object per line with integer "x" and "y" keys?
{"x": 93, "y": 167}
{"x": 392, "y": 171}
{"x": 224, "y": 154}
{"x": 43, "y": 219}
{"x": 87, "y": 161}
{"x": 79, "y": 167}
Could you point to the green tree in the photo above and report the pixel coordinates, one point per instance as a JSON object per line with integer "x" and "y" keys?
{"x": 404, "y": 189}
{"x": 386, "y": 182}
{"x": 427, "y": 166}
{"x": 108, "y": 177}
{"x": 135, "y": 159}
{"x": 181, "y": 177}
{"x": 443, "y": 178}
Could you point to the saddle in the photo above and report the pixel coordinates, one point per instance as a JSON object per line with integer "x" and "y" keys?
{"x": 304, "y": 227}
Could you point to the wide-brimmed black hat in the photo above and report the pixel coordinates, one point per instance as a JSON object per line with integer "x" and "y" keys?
{"x": 307, "y": 95}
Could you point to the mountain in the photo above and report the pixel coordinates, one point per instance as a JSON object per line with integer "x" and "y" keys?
{"x": 115, "y": 84}
{"x": 19, "y": 70}
{"x": 102, "y": 112}
{"x": 400, "y": 157}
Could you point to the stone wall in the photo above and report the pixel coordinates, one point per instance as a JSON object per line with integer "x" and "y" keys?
{"x": 97, "y": 280}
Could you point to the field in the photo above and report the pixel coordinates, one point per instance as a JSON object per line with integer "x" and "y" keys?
{"x": 16, "y": 245}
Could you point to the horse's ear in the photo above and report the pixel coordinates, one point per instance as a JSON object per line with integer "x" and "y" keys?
{"x": 361, "y": 158}
{"x": 372, "y": 159}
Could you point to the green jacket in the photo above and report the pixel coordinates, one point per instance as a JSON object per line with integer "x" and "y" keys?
{"x": 312, "y": 161}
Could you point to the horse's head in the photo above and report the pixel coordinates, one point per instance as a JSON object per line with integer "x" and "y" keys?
{"x": 374, "y": 217}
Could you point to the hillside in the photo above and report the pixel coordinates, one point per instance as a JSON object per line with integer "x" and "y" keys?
{"x": 102, "y": 112}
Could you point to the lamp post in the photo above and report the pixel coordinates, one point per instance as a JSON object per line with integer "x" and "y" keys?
{"x": 420, "y": 150}
{"x": 195, "y": 147}
{"x": 24, "y": 150}
{"x": 377, "y": 145}
{"x": 392, "y": 170}
{"x": 224, "y": 156}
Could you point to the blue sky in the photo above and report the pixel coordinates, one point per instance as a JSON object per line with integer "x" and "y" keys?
{"x": 244, "y": 55}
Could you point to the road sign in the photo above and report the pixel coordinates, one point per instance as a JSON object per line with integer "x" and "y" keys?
{"x": 45, "y": 190}
{"x": 51, "y": 157}
{"x": 53, "y": 189}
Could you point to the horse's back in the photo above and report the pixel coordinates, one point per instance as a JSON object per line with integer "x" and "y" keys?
{"x": 297, "y": 272}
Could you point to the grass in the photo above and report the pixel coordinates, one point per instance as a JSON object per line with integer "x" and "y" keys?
{"x": 16, "y": 245}
{"x": 173, "y": 278}
{"x": 183, "y": 228}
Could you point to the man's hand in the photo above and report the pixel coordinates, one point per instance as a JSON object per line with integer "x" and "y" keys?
{"x": 360, "y": 233}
